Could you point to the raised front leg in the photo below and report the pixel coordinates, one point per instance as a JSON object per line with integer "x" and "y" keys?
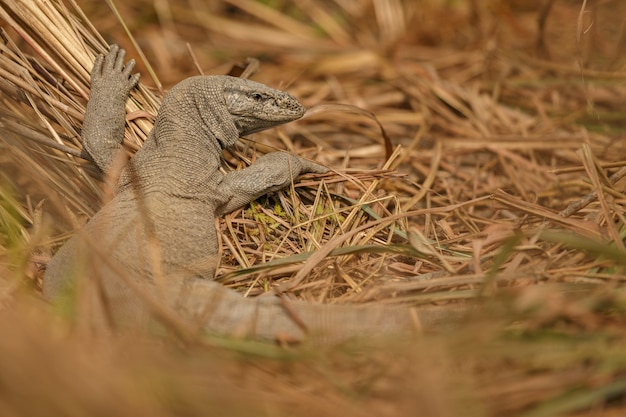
{"x": 103, "y": 127}
{"x": 269, "y": 173}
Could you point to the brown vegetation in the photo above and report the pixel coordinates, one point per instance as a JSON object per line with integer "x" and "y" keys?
{"x": 477, "y": 153}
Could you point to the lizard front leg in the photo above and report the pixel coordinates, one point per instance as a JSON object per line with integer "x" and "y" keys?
{"x": 269, "y": 173}
{"x": 103, "y": 127}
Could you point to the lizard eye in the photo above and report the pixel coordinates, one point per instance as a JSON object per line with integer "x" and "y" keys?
{"x": 256, "y": 97}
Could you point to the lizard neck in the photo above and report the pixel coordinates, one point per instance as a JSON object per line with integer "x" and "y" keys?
{"x": 182, "y": 152}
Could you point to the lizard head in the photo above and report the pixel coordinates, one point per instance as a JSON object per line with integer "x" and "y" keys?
{"x": 255, "y": 107}
{"x": 222, "y": 108}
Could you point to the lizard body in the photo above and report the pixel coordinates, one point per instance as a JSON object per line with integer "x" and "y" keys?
{"x": 159, "y": 227}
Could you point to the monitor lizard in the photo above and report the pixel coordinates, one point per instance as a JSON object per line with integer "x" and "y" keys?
{"x": 159, "y": 232}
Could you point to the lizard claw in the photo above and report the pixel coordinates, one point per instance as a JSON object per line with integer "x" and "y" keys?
{"x": 111, "y": 59}
{"x": 119, "y": 55}
{"x": 96, "y": 71}
{"x": 109, "y": 71}
{"x": 312, "y": 167}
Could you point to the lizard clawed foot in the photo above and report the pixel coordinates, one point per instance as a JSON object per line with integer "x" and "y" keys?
{"x": 109, "y": 72}
{"x": 280, "y": 168}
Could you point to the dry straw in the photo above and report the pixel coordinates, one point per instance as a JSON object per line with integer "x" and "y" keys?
{"x": 46, "y": 91}
{"x": 497, "y": 192}
{"x": 343, "y": 237}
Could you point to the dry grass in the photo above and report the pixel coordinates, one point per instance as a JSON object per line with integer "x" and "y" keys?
{"x": 503, "y": 181}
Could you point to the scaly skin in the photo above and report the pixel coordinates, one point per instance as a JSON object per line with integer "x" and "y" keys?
{"x": 158, "y": 230}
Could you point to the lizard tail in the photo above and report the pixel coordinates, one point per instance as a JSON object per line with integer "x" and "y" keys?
{"x": 219, "y": 310}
